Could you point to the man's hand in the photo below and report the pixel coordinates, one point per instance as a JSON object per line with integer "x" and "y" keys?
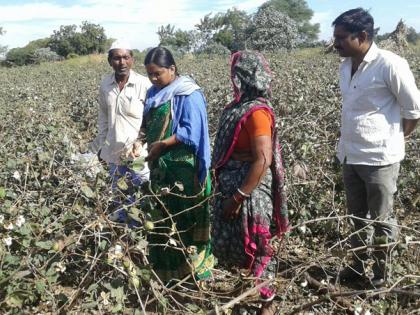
{"x": 135, "y": 150}
{"x": 101, "y": 160}
{"x": 409, "y": 125}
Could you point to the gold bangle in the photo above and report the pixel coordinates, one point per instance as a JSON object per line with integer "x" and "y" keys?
{"x": 243, "y": 194}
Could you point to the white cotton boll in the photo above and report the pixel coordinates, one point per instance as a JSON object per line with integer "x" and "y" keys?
{"x": 1, "y": 219}
{"x": 358, "y": 310}
{"x": 172, "y": 242}
{"x": 164, "y": 191}
{"x": 16, "y": 175}
{"x": 302, "y": 229}
{"x": 60, "y": 267}
{"x": 304, "y": 283}
{"x": 8, "y": 241}
{"x": 20, "y": 221}
{"x": 118, "y": 249}
{"x": 9, "y": 226}
{"x": 105, "y": 298}
{"x": 408, "y": 238}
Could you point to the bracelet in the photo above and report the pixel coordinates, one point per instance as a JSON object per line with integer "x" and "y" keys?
{"x": 243, "y": 194}
{"x": 141, "y": 135}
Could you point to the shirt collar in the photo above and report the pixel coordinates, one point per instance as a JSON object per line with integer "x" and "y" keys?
{"x": 130, "y": 80}
{"x": 372, "y": 53}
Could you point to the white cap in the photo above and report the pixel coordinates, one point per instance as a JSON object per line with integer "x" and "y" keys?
{"x": 120, "y": 44}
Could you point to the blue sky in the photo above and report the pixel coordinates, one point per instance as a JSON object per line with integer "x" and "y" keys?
{"x": 138, "y": 20}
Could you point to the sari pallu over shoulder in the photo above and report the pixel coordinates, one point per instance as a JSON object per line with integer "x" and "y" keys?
{"x": 188, "y": 114}
{"x": 231, "y": 122}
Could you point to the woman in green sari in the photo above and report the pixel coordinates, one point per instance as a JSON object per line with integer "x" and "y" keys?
{"x": 179, "y": 155}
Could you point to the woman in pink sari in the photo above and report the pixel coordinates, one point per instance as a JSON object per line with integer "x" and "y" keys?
{"x": 250, "y": 204}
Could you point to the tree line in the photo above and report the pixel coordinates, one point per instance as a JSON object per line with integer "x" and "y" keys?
{"x": 67, "y": 42}
{"x": 277, "y": 24}
{"x": 412, "y": 36}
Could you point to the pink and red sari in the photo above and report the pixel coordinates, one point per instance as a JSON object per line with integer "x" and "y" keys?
{"x": 245, "y": 241}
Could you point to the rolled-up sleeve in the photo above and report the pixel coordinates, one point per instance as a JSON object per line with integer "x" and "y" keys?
{"x": 402, "y": 84}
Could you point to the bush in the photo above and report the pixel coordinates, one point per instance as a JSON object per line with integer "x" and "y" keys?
{"x": 272, "y": 30}
{"x": 72, "y": 56}
{"x": 214, "y": 48}
{"x": 35, "y": 51}
{"x": 19, "y": 56}
{"x": 45, "y": 55}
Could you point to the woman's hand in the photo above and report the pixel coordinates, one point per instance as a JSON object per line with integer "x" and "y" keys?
{"x": 232, "y": 207}
{"x": 155, "y": 150}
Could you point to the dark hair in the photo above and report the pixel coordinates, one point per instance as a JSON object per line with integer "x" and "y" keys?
{"x": 355, "y": 21}
{"x": 160, "y": 56}
{"x": 111, "y": 52}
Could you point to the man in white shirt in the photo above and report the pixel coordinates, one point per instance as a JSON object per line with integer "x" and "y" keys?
{"x": 121, "y": 102}
{"x": 381, "y": 106}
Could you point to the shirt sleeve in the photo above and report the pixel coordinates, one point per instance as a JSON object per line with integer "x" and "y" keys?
{"x": 258, "y": 124}
{"x": 102, "y": 124}
{"x": 401, "y": 81}
{"x": 146, "y": 85}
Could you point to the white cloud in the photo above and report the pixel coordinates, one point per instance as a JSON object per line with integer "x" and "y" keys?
{"x": 135, "y": 20}
{"x": 246, "y": 5}
{"x": 18, "y": 35}
{"x": 131, "y": 12}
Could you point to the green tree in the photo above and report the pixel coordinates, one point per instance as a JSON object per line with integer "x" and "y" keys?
{"x": 382, "y": 37}
{"x": 227, "y": 29}
{"x": 412, "y": 35}
{"x": 272, "y": 30}
{"x": 67, "y": 40}
{"x": 94, "y": 37}
{"x": 299, "y": 11}
{"x": 179, "y": 40}
{"x": 38, "y": 43}
{"x": 19, "y": 56}
{"x": 165, "y": 33}
{"x": 63, "y": 40}
{"x": 231, "y": 28}
{"x": 33, "y": 52}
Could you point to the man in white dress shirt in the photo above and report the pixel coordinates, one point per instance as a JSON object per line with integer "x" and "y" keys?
{"x": 381, "y": 106}
{"x": 121, "y": 103}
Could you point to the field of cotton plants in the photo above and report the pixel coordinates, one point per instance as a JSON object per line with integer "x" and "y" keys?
{"x": 59, "y": 253}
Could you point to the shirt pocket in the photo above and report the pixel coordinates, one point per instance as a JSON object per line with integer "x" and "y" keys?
{"x": 370, "y": 94}
{"x": 132, "y": 106}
